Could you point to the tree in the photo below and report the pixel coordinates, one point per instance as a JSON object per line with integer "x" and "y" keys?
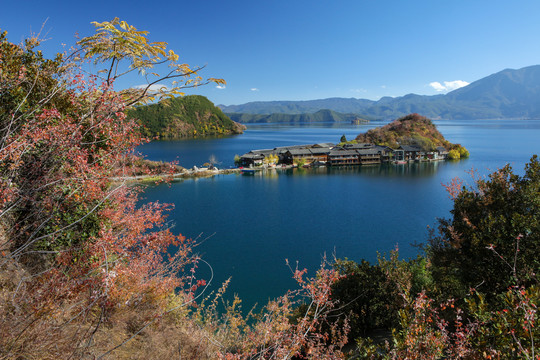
{"x": 370, "y": 297}
{"x": 116, "y": 42}
{"x": 454, "y": 154}
{"x": 463, "y": 153}
{"x": 75, "y": 249}
{"x": 271, "y": 159}
{"x": 343, "y": 139}
{"x": 492, "y": 240}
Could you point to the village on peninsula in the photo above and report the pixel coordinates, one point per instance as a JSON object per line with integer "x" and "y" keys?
{"x": 327, "y": 154}
{"x": 412, "y": 138}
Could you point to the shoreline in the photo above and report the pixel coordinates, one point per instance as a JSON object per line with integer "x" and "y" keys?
{"x": 207, "y": 173}
{"x": 186, "y": 174}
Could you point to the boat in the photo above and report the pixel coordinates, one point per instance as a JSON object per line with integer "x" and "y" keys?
{"x": 250, "y": 171}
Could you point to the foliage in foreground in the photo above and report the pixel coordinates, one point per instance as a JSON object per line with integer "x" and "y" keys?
{"x": 492, "y": 240}
{"x": 474, "y": 295}
{"x": 85, "y": 273}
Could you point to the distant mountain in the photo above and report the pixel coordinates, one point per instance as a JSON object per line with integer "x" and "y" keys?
{"x": 299, "y": 107}
{"x": 507, "y": 94}
{"x": 319, "y": 116}
{"x": 513, "y": 93}
{"x": 184, "y": 117}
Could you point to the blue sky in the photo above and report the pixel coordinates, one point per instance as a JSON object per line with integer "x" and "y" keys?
{"x": 302, "y": 50}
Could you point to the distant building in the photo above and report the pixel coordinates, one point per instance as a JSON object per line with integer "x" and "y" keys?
{"x": 251, "y": 159}
{"x": 358, "y": 146}
{"x": 442, "y": 152}
{"x": 369, "y": 156}
{"x": 412, "y": 152}
{"x": 340, "y": 156}
{"x": 307, "y": 155}
{"x": 348, "y": 154}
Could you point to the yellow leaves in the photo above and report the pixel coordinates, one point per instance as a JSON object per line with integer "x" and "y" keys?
{"x": 218, "y": 81}
{"x": 122, "y": 49}
{"x": 124, "y": 25}
{"x": 123, "y": 42}
{"x": 172, "y": 56}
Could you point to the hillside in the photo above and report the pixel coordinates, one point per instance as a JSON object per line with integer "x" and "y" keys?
{"x": 319, "y": 116}
{"x": 507, "y": 94}
{"x": 510, "y": 93}
{"x": 184, "y": 117}
{"x": 412, "y": 129}
{"x": 299, "y": 107}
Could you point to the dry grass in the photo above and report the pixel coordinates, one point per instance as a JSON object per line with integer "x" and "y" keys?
{"x": 25, "y": 333}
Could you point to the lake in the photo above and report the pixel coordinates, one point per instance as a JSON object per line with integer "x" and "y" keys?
{"x": 249, "y": 225}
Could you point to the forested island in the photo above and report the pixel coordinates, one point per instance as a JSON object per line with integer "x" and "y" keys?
{"x": 191, "y": 116}
{"x": 88, "y": 271}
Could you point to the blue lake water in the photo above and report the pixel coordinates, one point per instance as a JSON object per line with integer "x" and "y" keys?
{"x": 253, "y": 223}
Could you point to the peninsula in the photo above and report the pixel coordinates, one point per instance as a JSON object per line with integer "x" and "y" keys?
{"x": 412, "y": 138}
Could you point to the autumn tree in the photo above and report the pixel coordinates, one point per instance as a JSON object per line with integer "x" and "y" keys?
{"x": 75, "y": 248}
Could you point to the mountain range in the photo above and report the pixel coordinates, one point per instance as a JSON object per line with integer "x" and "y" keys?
{"x": 507, "y": 94}
{"x": 324, "y": 115}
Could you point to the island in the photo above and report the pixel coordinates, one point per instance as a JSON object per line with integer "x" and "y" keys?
{"x": 412, "y": 138}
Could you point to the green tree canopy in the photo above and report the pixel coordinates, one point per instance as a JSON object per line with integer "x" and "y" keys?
{"x": 492, "y": 240}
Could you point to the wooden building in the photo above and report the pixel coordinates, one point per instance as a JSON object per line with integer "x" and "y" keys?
{"x": 442, "y": 153}
{"x": 358, "y": 146}
{"x": 307, "y": 155}
{"x": 412, "y": 152}
{"x": 369, "y": 156}
{"x": 251, "y": 159}
{"x": 338, "y": 157}
{"x": 320, "y": 154}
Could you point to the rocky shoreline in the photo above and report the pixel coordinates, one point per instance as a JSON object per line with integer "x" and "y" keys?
{"x": 185, "y": 174}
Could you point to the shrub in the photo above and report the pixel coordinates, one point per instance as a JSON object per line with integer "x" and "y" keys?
{"x": 454, "y": 154}
{"x": 300, "y": 162}
{"x": 463, "y": 153}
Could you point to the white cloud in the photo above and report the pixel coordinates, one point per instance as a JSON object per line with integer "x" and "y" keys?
{"x": 448, "y": 85}
{"x": 153, "y": 88}
{"x": 437, "y": 86}
{"x": 254, "y": 89}
{"x": 220, "y": 87}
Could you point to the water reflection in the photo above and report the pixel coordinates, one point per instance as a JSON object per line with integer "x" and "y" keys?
{"x": 422, "y": 169}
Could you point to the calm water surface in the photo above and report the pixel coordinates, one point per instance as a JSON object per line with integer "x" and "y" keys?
{"x": 253, "y": 223}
